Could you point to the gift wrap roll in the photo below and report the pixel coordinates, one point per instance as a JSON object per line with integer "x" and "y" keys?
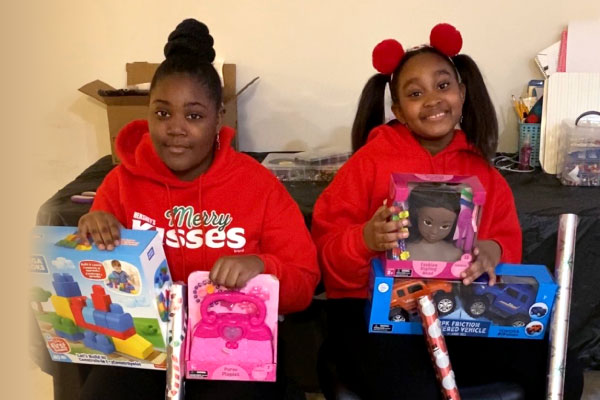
{"x": 432, "y": 330}
{"x": 176, "y": 342}
{"x": 559, "y": 325}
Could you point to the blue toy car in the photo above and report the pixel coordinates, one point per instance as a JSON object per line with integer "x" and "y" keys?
{"x": 503, "y": 304}
{"x": 538, "y": 311}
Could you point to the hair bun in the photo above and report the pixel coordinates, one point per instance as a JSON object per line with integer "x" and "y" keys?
{"x": 191, "y": 38}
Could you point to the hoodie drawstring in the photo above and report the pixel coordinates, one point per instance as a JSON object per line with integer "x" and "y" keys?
{"x": 180, "y": 241}
{"x": 204, "y": 258}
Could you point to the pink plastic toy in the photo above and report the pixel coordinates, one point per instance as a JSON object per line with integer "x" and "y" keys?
{"x": 232, "y": 334}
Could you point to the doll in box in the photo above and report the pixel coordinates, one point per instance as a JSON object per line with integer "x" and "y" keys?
{"x": 433, "y": 219}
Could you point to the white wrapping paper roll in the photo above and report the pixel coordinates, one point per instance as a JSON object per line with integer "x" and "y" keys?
{"x": 559, "y": 325}
{"x": 176, "y": 342}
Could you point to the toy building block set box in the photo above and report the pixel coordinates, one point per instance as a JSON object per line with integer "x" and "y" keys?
{"x": 517, "y": 306}
{"x": 101, "y": 307}
{"x": 232, "y": 334}
{"x": 443, "y": 213}
{"x": 126, "y": 105}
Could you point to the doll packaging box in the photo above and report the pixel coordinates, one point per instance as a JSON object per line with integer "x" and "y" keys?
{"x": 443, "y": 213}
{"x": 232, "y": 334}
{"x": 517, "y": 306}
{"x": 101, "y": 307}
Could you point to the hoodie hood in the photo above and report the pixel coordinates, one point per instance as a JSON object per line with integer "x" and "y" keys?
{"x": 406, "y": 138}
{"x": 138, "y": 156}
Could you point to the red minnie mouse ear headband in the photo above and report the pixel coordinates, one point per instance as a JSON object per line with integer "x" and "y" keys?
{"x": 387, "y": 54}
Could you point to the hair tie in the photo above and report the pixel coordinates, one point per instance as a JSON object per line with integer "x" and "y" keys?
{"x": 387, "y": 55}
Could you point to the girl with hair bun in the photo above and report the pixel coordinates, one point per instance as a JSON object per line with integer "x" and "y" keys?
{"x": 217, "y": 209}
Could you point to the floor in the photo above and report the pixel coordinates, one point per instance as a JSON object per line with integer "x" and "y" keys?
{"x": 42, "y": 386}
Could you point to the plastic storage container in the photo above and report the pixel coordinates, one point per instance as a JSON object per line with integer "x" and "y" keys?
{"x": 287, "y": 167}
{"x": 579, "y": 154}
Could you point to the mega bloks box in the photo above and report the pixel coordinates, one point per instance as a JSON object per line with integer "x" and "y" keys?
{"x": 518, "y": 306}
{"x": 443, "y": 213}
{"x": 101, "y": 307}
{"x": 232, "y": 334}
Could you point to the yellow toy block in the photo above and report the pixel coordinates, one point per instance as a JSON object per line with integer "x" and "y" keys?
{"x": 135, "y": 346}
{"x": 62, "y": 306}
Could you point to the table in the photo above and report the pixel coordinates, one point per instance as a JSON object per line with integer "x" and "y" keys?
{"x": 540, "y": 199}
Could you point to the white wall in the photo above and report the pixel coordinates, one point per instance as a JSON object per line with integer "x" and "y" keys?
{"x": 312, "y": 56}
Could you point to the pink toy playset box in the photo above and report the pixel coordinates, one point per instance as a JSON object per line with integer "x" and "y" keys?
{"x": 232, "y": 334}
{"x": 443, "y": 213}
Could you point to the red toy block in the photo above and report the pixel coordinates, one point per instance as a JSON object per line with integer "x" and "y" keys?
{"x": 100, "y": 299}
{"x": 77, "y": 304}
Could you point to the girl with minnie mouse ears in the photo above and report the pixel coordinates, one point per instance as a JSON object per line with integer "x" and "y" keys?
{"x": 445, "y": 124}
{"x": 476, "y": 116}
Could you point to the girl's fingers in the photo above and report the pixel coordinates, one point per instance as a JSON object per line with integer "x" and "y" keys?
{"x": 214, "y": 271}
{"x": 82, "y": 232}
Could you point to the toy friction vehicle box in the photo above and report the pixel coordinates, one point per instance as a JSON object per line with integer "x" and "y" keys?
{"x": 101, "y": 307}
{"x": 443, "y": 213}
{"x": 517, "y": 306}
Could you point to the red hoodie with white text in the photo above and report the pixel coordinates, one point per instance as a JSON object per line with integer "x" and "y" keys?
{"x": 361, "y": 185}
{"x": 236, "y": 207}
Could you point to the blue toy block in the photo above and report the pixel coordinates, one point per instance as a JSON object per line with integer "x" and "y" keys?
{"x": 89, "y": 339}
{"x": 89, "y": 302}
{"x": 62, "y": 277}
{"x": 100, "y": 318}
{"x": 116, "y": 308}
{"x": 59, "y": 288}
{"x": 98, "y": 342}
{"x": 72, "y": 337}
{"x": 104, "y": 344}
{"x": 88, "y": 315}
{"x": 69, "y": 289}
{"x": 65, "y": 286}
{"x": 119, "y": 322}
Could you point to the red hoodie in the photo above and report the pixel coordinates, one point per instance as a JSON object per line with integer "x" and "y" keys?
{"x": 237, "y": 207}
{"x": 361, "y": 185}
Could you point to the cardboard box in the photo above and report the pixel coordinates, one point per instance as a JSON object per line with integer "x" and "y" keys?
{"x": 519, "y": 306}
{"x": 444, "y": 213}
{"x": 124, "y": 109}
{"x": 100, "y": 307}
{"x": 232, "y": 334}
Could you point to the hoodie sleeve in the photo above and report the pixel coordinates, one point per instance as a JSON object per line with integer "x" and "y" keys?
{"x": 340, "y": 214}
{"x": 288, "y": 251}
{"x": 499, "y": 220}
{"x": 108, "y": 196}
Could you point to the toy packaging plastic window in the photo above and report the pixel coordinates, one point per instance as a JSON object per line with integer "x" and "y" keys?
{"x": 444, "y": 213}
{"x": 232, "y": 334}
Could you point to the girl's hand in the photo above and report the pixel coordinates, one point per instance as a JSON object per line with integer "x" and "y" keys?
{"x": 235, "y": 271}
{"x": 380, "y": 234}
{"x": 487, "y": 255}
{"x": 103, "y": 227}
